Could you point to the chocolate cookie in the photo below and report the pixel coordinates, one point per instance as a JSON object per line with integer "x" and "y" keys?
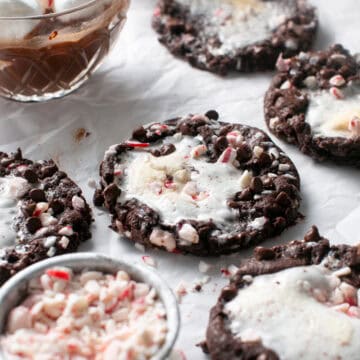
{"x": 295, "y": 301}
{"x": 235, "y": 35}
{"x": 43, "y": 213}
{"x": 197, "y": 185}
{"x": 314, "y": 102}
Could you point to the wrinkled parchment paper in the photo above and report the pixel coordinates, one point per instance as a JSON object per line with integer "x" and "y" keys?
{"x": 141, "y": 82}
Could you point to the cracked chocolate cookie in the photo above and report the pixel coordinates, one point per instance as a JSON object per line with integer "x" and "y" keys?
{"x": 295, "y": 301}
{"x": 235, "y": 35}
{"x": 197, "y": 185}
{"x": 42, "y": 213}
{"x": 314, "y": 102}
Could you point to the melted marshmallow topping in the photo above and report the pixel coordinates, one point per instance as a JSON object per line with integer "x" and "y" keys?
{"x": 300, "y": 313}
{"x": 329, "y": 116}
{"x": 240, "y": 23}
{"x": 11, "y": 190}
{"x": 182, "y": 184}
{"x": 87, "y": 316}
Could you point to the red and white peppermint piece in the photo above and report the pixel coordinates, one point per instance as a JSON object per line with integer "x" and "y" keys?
{"x": 234, "y": 138}
{"x": 191, "y": 189}
{"x": 225, "y": 272}
{"x": 169, "y": 184}
{"x": 159, "y": 128}
{"x": 59, "y": 274}
{"x": 157, "y": 12}
{"x": 136, "y": 144}
{"x": 40, "y": 208}
{"x": 283, "y": 64}
{"x": 66, "y": 230}
{"x": 19, "y": 318}
{"x": 337, "y": 80}
{"x": 118, "y": 170}
{"x": 354, "y": 311}
{"x": 354, "y": 126}
{"x": 64, "y": 242}
{"x": 77, "y": 202}
{"x": 286, "y": 85}
{"x": 189, "y": 234}
{"x": 148, "y": 260}
{"x": 181, "y": 290}
{"x": 233, "y": 269}
{"x": 22, "y": 168}
{"x": 47, "y": 220}
{"x": 198, "y": 151}
{"x": 200, "y": 196}
{"x": 337, "y": 93}
{"x": 163, "y": 238}
{"x": 228, "y": 156}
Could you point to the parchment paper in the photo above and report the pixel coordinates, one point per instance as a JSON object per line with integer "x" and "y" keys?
{"x": 141, "y": 82}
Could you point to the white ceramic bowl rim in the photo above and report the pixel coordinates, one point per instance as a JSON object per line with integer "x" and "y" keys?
{"x": 88, "y": 4}
{"x": 15, "y": 289}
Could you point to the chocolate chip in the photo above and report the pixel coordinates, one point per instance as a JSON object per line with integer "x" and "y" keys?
{"x": 49, "y": 170}
{"x": 256, "y": 185}
{"x": 57, "y": 206}
{"x": 164, "y": 150}
{"x": 220, "y": 144}
{"x": 243, "y": 153}
{"x": 283, "y": 199}
{"x": 268, "y": 183}
{"x": 175, "y": 26}
{"x": 30, "y": 176}
{"x": 38, "y": 195}
{"x": 245, "y": 195}
{"x": 140, "y": 134}
{"x": 228, "y": 293}
{"x": 312, "y": 235}
{"x": 212, "y": 115}
{"x": 264, "y": 160}
{"x": 262, "y": 253}
{"x": 98, "y": 198}
{"x": 111, "y": 193}
{"x": 33, "y": 224}
{"x": 233, "y": 204}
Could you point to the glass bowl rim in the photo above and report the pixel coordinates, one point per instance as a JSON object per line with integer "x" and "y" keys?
{"x": 88, "y": 4}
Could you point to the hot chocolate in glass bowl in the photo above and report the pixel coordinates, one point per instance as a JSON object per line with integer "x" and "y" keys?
{"x": 48, "y": 48}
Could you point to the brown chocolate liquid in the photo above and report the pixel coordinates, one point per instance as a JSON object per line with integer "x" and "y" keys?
{"x": 33, "y": 71}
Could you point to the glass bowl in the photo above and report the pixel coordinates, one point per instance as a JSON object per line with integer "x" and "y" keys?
{"x": 49, "y": 56}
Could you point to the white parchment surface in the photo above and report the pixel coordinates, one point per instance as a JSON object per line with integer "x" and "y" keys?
{"x": 141, "y": 82}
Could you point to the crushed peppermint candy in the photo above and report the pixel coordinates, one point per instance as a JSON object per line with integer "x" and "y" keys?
{"x": 337, "y": 81}
{"x": 148, "y": 260}
{"x": 228, "y": 156}
{"x": 90, "y": 315}
{"x": 337, "y": 93}
{"x": 204, "y": 267}
{"x": 137, "y": 144}
{"x": 354, "y": 126}
{"x": 181, "y": 290}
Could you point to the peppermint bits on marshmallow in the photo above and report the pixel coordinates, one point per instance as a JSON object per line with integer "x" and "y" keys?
{"x": 354, "y": 126}
{"x": 228, "y": 156}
